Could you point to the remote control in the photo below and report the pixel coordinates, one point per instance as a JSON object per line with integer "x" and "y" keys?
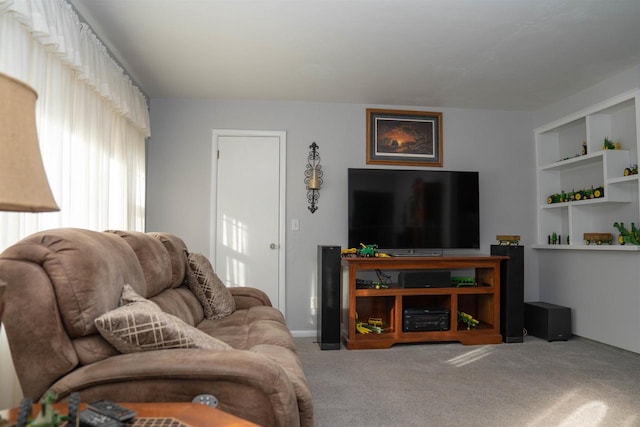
{"x": 89, "y": 418}
{"x": 112, "y": 410}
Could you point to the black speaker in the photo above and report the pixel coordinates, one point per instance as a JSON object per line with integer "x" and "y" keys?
{"x": 329, "y": 297}
{"x": 511, "y": 292}
{"x": 547, "y": 321}
{"x": 425, "y": 279}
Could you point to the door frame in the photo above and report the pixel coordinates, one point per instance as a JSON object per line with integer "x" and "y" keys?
{"x": 213, "y": 221}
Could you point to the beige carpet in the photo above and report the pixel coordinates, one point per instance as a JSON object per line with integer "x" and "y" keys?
{"x": 536, "y": 384}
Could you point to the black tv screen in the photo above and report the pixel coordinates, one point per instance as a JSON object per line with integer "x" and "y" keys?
{"x": 413, "y": 210}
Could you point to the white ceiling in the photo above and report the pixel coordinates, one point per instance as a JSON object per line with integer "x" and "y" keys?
{"x": 497, "y": 54}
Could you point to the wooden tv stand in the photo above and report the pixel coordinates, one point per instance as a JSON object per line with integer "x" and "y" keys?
{"x": 481, "y": 301}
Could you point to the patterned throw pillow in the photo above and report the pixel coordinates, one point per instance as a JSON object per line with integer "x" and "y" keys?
{"x": 214, "y": 296}
{"x": 140, "y": 325}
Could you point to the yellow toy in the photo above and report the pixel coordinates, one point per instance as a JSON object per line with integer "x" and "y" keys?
{"x": 468, "y": 319}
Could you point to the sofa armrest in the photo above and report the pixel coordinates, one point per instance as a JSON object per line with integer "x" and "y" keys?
{"x": 246, "y": 297}
{"x": 246, "y": 384}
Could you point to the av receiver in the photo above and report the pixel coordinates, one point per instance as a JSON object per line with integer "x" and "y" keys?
{"x": 425, "y": 319}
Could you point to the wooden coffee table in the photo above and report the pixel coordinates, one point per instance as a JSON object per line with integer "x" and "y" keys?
{"x": 161, "y": 414}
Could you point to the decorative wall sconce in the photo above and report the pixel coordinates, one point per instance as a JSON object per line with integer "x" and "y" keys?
{"x": 313, "y": 177}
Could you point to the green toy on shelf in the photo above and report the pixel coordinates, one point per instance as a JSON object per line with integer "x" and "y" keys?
{"x": 468, "y": 320}
{"x": 626, "y": 236}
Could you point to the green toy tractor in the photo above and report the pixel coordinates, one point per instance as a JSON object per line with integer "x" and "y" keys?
{"x": 48, "y": 417}
{"x": 367, "y": 250}
{"x": 632, "y": 237}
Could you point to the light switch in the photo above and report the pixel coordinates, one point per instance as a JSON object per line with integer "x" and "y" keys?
{"x": 295, "y": 224}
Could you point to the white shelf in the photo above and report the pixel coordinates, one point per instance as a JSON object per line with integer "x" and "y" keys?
{"x": 622, "y": 179}
{"x": 620, "y": 248}
{"x": 599, "y": 201}
{"x": 578, "y": 161}
{"x": 617, "y": 119}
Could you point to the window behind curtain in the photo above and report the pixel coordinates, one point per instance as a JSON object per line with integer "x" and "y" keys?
{"x": 92, "y": 125}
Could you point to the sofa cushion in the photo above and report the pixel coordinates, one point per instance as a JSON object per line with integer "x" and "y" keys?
{"x": 140, "y": 325}
{"x": 182, "y": 303}
{"x": 154, "y": 259}
{"x": 246, "y": 328}
{"x": 214, "y": 296}
{"x": 177, "y": 251}
{"x": 93, "y": 348}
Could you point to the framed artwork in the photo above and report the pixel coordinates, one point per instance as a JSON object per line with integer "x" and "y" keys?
{"x": 396, "y": 137}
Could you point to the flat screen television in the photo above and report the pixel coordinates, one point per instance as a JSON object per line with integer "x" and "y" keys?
{"x": 413, "y": 212}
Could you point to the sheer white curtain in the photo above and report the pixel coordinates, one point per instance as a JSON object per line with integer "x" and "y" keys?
{"x": 92, "y": 125}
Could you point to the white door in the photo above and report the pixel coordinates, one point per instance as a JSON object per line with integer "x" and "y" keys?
{"x": 249, "y": 207}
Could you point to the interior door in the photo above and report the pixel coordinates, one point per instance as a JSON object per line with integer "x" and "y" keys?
{"x": 249, "y": 237}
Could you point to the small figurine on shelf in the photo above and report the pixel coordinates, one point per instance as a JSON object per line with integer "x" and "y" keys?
{"x": 508, "y": 239}
{"x": 463, "y": 281}
{"x": 584, "y": 148}
{"x": 598, "y": 238}
{"x": 631, "y": 170}
{"x": 366, "y": 251}
{"x": 367, "y": 328}
{"x": 598, "y": 192}
{"x": 610, "y": 145}
{"x": 626, "y": 236}
{"x": 468, "y": 320}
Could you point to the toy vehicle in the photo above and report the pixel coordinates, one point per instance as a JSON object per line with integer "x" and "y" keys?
{"x": 554, "y": 198}
{"x": 347, "y": 253}
{"x": 598, "y": 238}
{"x": 375, "y": 321}
{"x": 631, "y": 170}
{"x": 367, "y": 328}
{"x": 626, "y": 236}
{"x": 610, "y": 145}
{"x": 468, "y": 320}
{"x": 460, "y": 281}
{"x": 48, "y": 417}
{"x": 598, "y": 192}
{"x": 508, "y": 239}
{"x": 367, "y": 250}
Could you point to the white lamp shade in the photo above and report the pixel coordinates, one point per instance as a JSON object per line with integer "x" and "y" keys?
{"x": 23, "y": 181}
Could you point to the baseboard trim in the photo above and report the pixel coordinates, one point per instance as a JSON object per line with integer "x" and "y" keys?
{"x": 304, "y": 334}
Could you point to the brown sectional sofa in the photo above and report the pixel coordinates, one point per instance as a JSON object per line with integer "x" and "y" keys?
{"x": 60, "y": 281}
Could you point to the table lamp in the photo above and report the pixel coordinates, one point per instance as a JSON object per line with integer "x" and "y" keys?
{"x": 23, "y": 181}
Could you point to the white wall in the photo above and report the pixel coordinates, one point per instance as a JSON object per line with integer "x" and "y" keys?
{"x": 601, "y": 288}
{"x": 498, "y": 144}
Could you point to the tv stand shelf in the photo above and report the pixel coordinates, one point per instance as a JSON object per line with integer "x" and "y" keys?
{"x": 481, "y": 301}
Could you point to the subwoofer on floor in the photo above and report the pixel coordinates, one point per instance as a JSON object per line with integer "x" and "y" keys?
{"x": 329, "y": 297}
{"x": 511, "y": 292}
{"x": 550, "y": 322}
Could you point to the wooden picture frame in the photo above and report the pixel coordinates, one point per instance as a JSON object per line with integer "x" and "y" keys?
{"x": 398, "y": 137}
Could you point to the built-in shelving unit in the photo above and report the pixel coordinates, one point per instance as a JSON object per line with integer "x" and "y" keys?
{"x": 387, "y": 304}
{"x": 563, "y": 166}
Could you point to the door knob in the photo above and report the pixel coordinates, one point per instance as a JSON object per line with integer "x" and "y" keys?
{"x": 273, "y": 246}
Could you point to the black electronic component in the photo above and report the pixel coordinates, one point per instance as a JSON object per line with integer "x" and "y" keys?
{"x": 511, "y": 292}
{"x": 413, "y": 212}
{"x": 329, "y": 274}
{"x": 425, "y": 319}
{"x": 425, "y": 279}
{"x": 550, "y": 322}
